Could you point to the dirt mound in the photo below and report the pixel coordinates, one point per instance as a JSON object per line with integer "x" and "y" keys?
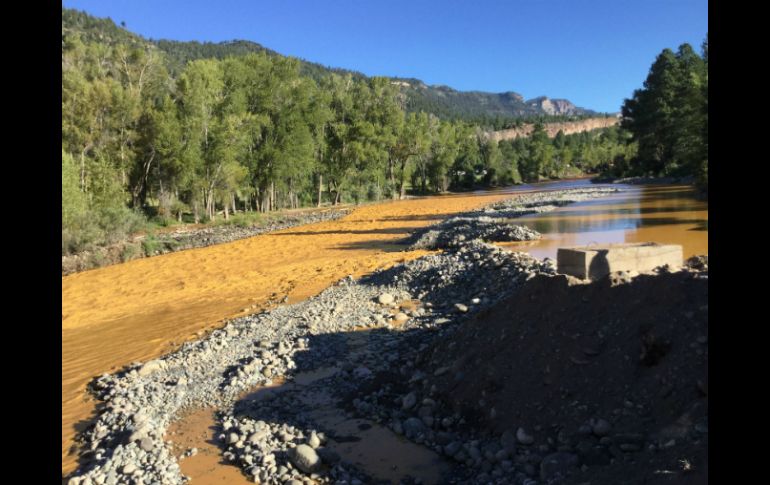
{"x": 607, "y": 381}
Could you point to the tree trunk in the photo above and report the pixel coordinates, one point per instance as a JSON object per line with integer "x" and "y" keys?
{"x": 320, "y": 182}
{"x": 234, "y": 211}
{"x": 402, "y": 182}
{"x": 83, "y": 169}
{"x": 139, "y": 193}
{"x": 196, "y": 216}
{"x": 392, "y": 178}
{"x": 227, "y": 212}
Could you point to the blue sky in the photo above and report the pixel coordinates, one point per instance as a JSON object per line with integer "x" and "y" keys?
{"x": 592, "y": 52}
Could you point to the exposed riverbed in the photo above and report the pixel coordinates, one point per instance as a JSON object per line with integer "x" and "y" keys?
{"x": 145, "y": 308}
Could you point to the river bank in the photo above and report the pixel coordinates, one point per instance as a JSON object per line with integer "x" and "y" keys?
{"x": 402, "y": 217}
{"x": 208, "y": 389}
{"x": 145, "y": 308}
{"x": 144, "y": 246}
{"x": 361, "y": 334}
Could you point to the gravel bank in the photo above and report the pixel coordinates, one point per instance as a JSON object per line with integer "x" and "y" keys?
{"x": 127, "y": 442}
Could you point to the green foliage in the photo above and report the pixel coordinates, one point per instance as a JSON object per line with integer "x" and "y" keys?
{"x": 223, "y": 132}
{"x": 130, "y": 251}
{"x": 668, "y": 117}
{"x": 245, "y": 219}
{"x": 151, "y": 245}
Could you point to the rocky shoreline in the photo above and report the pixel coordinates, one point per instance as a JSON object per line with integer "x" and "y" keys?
{"x": 492, "y": 224}
{"x": 370, "y": 346}
{"x": 689, "y": 180}
{"x": 181, "y": 240}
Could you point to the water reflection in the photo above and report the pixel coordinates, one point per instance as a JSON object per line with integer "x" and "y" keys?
{"x": 663, "y": 214}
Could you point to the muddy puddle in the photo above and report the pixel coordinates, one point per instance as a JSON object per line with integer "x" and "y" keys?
{"x": 369, "y": 446}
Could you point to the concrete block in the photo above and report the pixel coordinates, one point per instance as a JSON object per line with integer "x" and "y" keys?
{"x": 598, "y": 261}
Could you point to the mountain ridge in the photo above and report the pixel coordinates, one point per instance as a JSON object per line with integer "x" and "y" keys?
{"x": 440, "y": 100}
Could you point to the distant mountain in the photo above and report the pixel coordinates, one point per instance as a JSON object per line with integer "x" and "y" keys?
{"x": 442, "y": 101}
{"x": 447, "y": 102}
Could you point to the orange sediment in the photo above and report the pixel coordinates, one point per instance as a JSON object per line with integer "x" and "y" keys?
{"x": 142, "y": 309}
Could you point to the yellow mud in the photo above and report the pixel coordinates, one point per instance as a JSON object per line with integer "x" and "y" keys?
{"x": 142, "y": 309}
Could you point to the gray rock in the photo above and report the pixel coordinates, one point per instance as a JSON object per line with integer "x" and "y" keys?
{"x": 314, "y": 441}
{"x": 461, "y": 308}
{"x": 413, "y": 427}
{"x": 146, "y": 444}
{"x": 151, "y": 367}
{"x": 305, "y": 458}
{"x": 385, "y": 298}
{"x": 601, "y": 427}
{"x": 523, "y": 437}
{"x": 258, "y": 436}
{"x": 441, "y": 371}
{"x": 401, "y": 317}
{"x": 409, "y": 401}
{"x": 452, "y": 448}
{"x": 508, "y": 441}
{"x": 558, "y": 465}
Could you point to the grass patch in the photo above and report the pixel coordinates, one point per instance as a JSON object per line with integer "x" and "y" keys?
{"x": 130, "y": 251}
{"x": 150, "y": 245}
{"x": 243, "y": 219}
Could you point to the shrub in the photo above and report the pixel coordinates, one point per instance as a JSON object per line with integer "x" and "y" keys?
{"x": 150, "y": 245}
{"x": 130, "y": 251}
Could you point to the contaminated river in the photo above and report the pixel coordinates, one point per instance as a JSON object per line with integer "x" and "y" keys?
{"x": 142, "y": 309}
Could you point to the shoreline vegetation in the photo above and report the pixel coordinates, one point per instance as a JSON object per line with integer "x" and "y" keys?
{"x": 158, "y": 240}
{"x": 180, "y": 237}
{"x": 147, "y": 143}
{"x": 143, "y": 141}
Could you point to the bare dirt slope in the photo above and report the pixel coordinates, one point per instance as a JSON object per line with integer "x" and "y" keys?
{"x": 139, "y": 310}
{"x": 558, "y": 358}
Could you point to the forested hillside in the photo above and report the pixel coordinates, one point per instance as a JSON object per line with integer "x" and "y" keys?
{"x": 147, "y": 137}
{"x": 490, "y": 110}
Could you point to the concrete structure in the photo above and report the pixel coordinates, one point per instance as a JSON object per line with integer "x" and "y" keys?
{"x": 598, "y": 261}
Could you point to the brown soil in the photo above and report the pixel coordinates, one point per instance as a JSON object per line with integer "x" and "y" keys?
{"x": 559, "y": 353}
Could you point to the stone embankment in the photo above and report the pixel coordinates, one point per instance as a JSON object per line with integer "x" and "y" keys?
{"x": 568, "y": 127}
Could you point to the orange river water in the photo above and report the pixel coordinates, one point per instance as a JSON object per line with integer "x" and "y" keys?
{"x": 145, "y": 308}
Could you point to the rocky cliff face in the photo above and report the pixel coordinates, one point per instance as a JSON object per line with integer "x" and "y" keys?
{"x": 569, "y": 127}
{"x": 554, "y": 106}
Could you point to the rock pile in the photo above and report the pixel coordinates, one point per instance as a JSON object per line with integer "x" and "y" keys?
{"x": 458, "y": 230}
